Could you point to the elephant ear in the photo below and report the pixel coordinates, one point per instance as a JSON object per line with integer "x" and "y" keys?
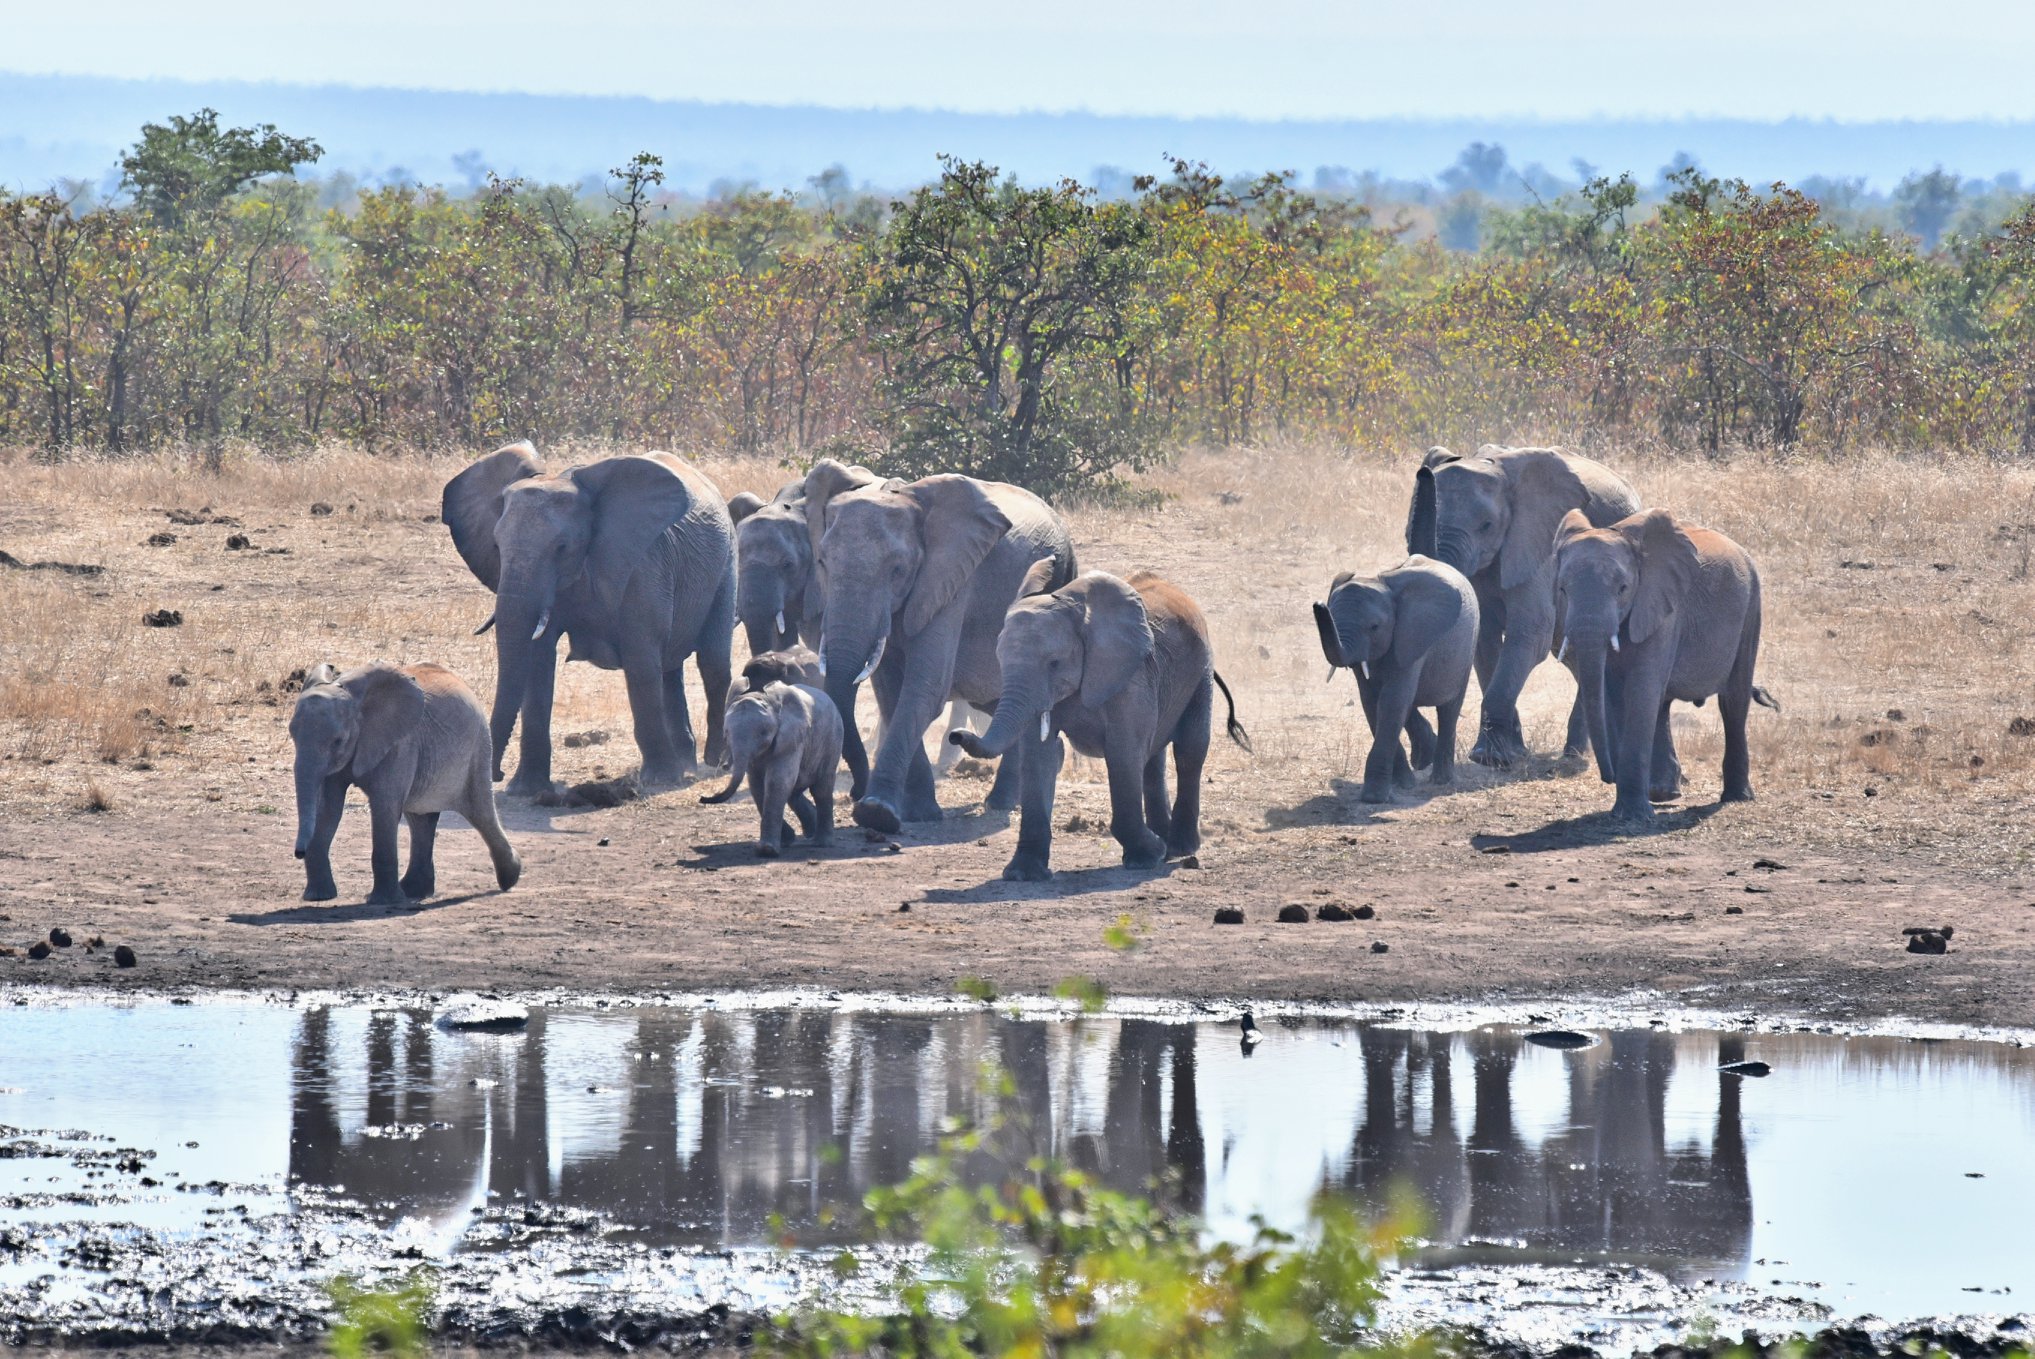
{"x": 391, "y": 708}
{"x": 827, "y": 480}
{"x": 1437, "y": 457}
{"x": 1422, "y": 520}
{"x": 1424, "y": 608}
{"x": 1668, "y": 561}
{"x": 1543, "y": 488}
{"x": 743, "y": 504}
{"x": 325, "y": 672}
{"x": 1574, "y": 524}
{"x": 472, "y": 506}
{"x": 794, "y": 717}
{"x": 635, "y": 498}
{"x": 959, "y": 525}
{"x": 1039, "y": 579}
{"x": 1116, "y": 635}
{"x": 1325, "y": 625}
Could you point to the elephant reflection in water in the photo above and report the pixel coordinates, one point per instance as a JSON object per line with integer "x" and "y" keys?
{"x": 1607, "y": 1183}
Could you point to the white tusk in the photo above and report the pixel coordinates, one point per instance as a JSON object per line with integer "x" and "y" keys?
{"x": 780, "y": 622}
{"x": 823, "y": 665}
{"x": 1045, "y": 724}
{"x": 543, "y": 622}
{"x": 874, "y": 661}
{"x": 1614, "y": 641}
{"x": 1563, "y": 654}
{"x": 1365, "y": 666}
{"x": 1331, "y": 675}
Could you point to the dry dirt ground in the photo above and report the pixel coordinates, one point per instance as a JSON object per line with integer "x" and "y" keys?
{"x": 145, "y": 793}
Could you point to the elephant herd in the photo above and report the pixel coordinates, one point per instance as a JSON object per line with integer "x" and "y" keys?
{"x": 950, "y": 590}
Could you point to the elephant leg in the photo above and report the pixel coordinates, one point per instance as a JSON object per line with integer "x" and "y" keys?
{"x": 771, "y": 792}
{"x": 1734, "y": 705}
{"x": 1500, "y": 741}
{"x": 481, "y": 814}
{"x": 1158, "y": 809}
{"x": 678, "y": 716}
{"x": 318, "y": 881}
{"x": 533, "y": 765}
{"x": 1005, "y": 790}
{"x": 1190, "y": 753}
{"x": 1125, "y": 756}
{"x": 715, "y": 659}
{"x": 1665, "y": 782}
{"x": 420, "y": 880}
{"x": 1640, "y": 705}
{"x": 1577, "y": 744}
{"x": 1383, "y": 768}
{"x": 1443, "y": 771}
{"x": 1039, "y": 764}
{"x": 802, "y": 808}
{"x": 385, "y": 811}
{"x": 1420, "y": 740}
{"x": 661, "y": 762}
{"x": 921, "y": 800}
{"x": 823, "y": 808}
{"x": 901, "y": 781}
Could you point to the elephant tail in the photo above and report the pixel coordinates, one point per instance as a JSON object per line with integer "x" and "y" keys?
{"x": 1765, "y": 699}
{"x": 1234, "y": 727}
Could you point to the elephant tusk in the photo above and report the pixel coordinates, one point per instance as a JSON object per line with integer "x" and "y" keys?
{"x": 485, "y": 626}
{"x": 874, "y": 661}
{"x": 780, "y": 622}
{"x": 1614, "y": 641}
{"x": 1331, "y": 675}
{"x": 1046, "y": 724}
{"x": 1563, "y": 654}
{"x": 1365, "y": 666}
{"x": 543, "y": 622}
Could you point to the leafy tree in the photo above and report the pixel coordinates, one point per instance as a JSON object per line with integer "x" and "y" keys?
{"x": 1926, "y": 203}
{"x": 193, "y": 165}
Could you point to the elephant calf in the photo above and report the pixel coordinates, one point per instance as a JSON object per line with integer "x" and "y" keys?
{"x": 1125, "y": 669}
{"x": 415, "y": 740}
{"x": 786, "y": 738}
{"x": 1649, "y": 611}
{"x": 1410, "y": 633}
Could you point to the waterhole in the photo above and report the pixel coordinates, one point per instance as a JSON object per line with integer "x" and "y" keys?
{"x": 202, "y": 1169}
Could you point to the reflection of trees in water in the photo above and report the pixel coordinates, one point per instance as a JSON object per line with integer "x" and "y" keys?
{"x": 1606, "y": 1181}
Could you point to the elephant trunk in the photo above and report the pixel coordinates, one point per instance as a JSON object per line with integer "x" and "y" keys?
{"x": 522, "y": 618}
{"x": 1017, "y": 718}
{"x": 310, "y": 789}
{"x": 1331, "y": 641}
{"x": 848, "y": 655}
{"x": 743, "y": 751}
{"x": 760, "y": 603}
{"x": 1592, "y": 662}
{"x": 1455, "y": 547}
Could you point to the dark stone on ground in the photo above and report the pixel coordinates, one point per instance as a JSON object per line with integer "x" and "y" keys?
{"x": 38, "y": 950}
{"x": 1191, "y": 861}
{"x": 237, "y": 542}
{"x": 1229, "y": 915}
{"x": 1364, "y": 913}
{"x": 1380, "y": 946}
{"x": 163, "y": 539}
{"x": 1329, "y": 910}
{"x": 60, "y": 936}
{"x": 163, "y": 618}
{"x": 319, "y": 509}
{"x": 1293, "y": 913}
{"x": 1928, "y": 941}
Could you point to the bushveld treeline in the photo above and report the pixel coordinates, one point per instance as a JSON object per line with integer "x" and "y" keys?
{"x": 1044, "y": 335}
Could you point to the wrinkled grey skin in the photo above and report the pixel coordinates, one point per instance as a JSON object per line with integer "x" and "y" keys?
{"x": 632, "y": 560}
{"x": 786, "y": 738}
{"x": 415, "y": 740}
{"x": 1494, "y": 520}
{"x": 915, "y": 578}
{"x": 1650, "y": 611}
{"x": 777, "y": 596}
{"x": 1409, "y": 634}
{"x": 1125, "y": 670}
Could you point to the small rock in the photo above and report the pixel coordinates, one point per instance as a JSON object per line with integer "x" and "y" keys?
{"x": 38, "y": 950}
{"x": 1191, "y": 861}
{"x": 2021, "y": 726}
{"x": 1562, "y": 1039}
{"x": 319, "y": 509}
{"x": 161, "y": 539}
{"x": 1293, "y": 913}
{"x": 1928, "y": 941}
{"x": 1896, "y": 715}
{"x": 602, "y": 842}
{"x": 179, "y": 680}
{"x": 123, "y": 956}
{"x": 1229, "y": 915}
{"x": 1329, "y": 910}
{"x": 1495, "y": 849}
{"x": 903, "y": 906}
{"x": 1734, "y": 910}
{"x": 163, "y": 618}
{"x": 892, "y": 847}
{"x": 1365, "y": 912}
{"x": 1745, "y": 1068}
{"x": 60, "y": 936}
{"x": 482, "y": 1014}
{"x": 1770, "y": 865}
{"x": 237, "y": 542}
{"x": 1945, "y": 930}
{"x": 1380, "y": 946}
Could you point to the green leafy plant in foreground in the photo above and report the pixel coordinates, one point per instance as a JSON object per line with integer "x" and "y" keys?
{"x": 392, "y": 1321}
{"x": 1043, "y": 1262}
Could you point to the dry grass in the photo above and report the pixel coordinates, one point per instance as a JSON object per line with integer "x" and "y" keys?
{"x": 1927, "y": 621}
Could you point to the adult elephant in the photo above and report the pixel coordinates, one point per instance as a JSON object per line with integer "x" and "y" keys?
{"x": 1493, "y": 518}
{"x": 777, "y": 594}
{"x": 915, "y": 579}
{"x": 632, "y": 560}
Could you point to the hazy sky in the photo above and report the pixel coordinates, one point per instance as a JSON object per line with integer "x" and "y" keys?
{"x": 1848, "y": 59}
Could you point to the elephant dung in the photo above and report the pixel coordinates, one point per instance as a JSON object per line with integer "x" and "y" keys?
{"x": 1329, "y": 910}
{"x": 163, "y": 618}
{"x": 123, "y": 956}
{"x": 163, "y": 539}
{"x": 237, "y": 542}
{"x": 1380, "y": 946}
{"x": 1928, "y": 941}
{"x": 39, "y": 950}
{"x": 1229, "y": 915}
{"x": 60, "y": 936}
{"x": 1364, "y": 912}
{"x": 1294, "y": 913}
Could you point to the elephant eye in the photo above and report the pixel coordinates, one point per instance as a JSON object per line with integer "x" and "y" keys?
{"x": 1487, "y": 526}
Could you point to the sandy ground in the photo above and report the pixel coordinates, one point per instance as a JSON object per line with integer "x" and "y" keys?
{"x": 1891, "y": 792}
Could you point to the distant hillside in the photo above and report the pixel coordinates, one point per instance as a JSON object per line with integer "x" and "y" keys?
{"x": 54, "y": 127}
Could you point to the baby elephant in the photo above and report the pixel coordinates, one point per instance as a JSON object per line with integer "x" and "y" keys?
{"x": 1648, "y": 611}
{"x": 1125, "y": 669}
{"x": 1410, "y": 633}
{"x": 415, "y": 740}
{"x": 787, "y": 739}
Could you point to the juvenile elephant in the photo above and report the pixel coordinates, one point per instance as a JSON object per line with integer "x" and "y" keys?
{"x": 1124, "y": 668}
{"x": 1493, "y": 518}
{"x": 415, "y": 740}
{"x": 787, "y": 739}
{"x": 632, "y": 558}
{"x": 915, "y": 578}
{"x": 793, "y": 664}
{"x": 777, "y": 596}
{"x": 1409, "y": 633}
{"x": 1650, "y": 611}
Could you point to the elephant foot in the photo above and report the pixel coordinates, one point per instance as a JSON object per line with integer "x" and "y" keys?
{"x": 766, "y": 850}
{"x": 821, "y": 837}
{"x": 1741, "y": 793}
{"x": 321, "y": 891}
{"x": 1497, "y": 753}
{"x": 1664, "y": 794}
{"x": 1025, "y": 868}
{"x": 418, "y": 889}
{"x": 877, "y": 815}
{"x": 924, "y": 809}
{"x": 1442, "y": 778}
{"x": 531, "y": 787}
{"x": 388, "y": 896}
{"x": 1181, "y": 846}
{"x": 1375, "y": 792}
{"x": 509, "y": 874}
{"x": 1001, "y": 802}
{"x": 1638, "y": 813}
{"x": 664, "y": 775}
